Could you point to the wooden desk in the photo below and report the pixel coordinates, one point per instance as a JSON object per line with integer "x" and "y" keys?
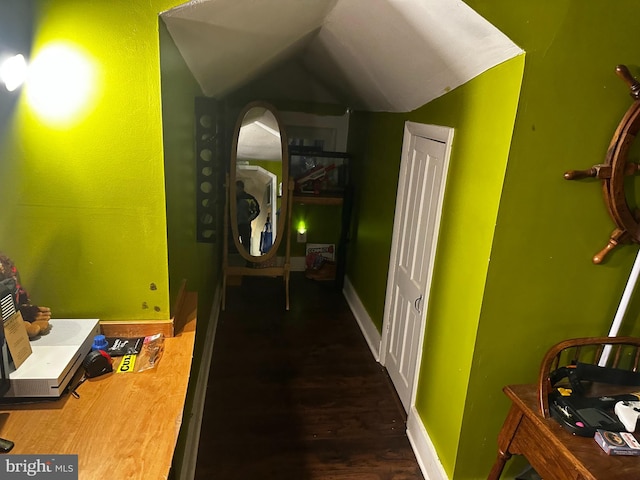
{"x": 553, "y": 452}
{"x": 124, "y": 425}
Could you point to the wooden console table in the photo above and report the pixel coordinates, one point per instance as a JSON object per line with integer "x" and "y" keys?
{"x": 553, "y": 452}
{"x": 124, "y": 425}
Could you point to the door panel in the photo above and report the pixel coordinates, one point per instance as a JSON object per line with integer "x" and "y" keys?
{"x": 418, "y": 205}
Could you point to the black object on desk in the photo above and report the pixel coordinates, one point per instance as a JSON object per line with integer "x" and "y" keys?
{"x": 583, "y": 416}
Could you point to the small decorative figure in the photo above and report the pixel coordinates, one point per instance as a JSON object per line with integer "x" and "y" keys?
{"x": 36, "y": 318}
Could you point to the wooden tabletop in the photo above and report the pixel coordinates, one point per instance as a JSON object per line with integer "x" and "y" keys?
{"x": 124, "y": 425}
{"x": 545, "y": 442}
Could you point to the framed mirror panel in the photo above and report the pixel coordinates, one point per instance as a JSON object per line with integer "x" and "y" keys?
{"x": 258, "y": 179}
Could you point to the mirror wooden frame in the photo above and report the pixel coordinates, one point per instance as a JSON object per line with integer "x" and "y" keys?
{"x": 261, "y": 267}
{"x": 284, "y": 200}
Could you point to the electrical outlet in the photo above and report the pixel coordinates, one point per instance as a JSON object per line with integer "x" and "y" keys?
{"x": 302, "y": 237}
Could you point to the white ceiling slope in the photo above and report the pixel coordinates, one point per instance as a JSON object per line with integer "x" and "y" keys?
{"x": 374, "y": 55}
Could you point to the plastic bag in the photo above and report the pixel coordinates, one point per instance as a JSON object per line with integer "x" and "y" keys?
{"x": 148, "y": 358}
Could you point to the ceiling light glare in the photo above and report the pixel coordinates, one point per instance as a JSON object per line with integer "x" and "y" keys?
{"x": 13, "y": 72}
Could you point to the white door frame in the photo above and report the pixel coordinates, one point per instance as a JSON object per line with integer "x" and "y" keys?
{"x": 440, "y": 134}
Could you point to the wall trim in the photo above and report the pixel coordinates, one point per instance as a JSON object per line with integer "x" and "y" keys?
{"x": 421, "y": 444}
{"x": 137, "y": 328}
{"x": 188, "y": 467}
{"x": 369, "y": 330}
{"x": 423, "y": 448}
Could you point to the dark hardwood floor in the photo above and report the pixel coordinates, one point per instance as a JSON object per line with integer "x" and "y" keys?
{"x": 297, "y": 395}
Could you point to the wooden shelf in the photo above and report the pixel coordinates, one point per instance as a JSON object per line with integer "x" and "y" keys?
{"x": 317, "y": 200}
{"x": 124, "y": 425}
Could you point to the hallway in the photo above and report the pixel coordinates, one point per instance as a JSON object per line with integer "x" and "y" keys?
{"x": 297, "y": 395}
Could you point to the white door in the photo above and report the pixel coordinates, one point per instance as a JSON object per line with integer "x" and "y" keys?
{"x": 423, "y": 171}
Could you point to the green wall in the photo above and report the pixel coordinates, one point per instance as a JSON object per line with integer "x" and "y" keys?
{"x": 99, "y": 212}
{"x": 86, "y": 213}
{"x": 541, "y": 284}
{"x": 375, "y": 140}
{"x": 84, "y": 217}
{"x": 482, "y": 114}
{"x": 198, "y": 263}
{"x": 513, "y": 271}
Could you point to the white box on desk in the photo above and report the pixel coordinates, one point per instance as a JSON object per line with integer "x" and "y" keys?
{"x": 55, "y": 358}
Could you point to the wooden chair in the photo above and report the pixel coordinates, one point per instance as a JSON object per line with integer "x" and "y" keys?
{"x": 529, "y": 431}
{"x": 621, "y": 353}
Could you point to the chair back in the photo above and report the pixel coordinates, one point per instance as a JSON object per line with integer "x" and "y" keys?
{"x": 620, "y": 355}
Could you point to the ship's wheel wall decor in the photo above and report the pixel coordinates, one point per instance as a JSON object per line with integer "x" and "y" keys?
{"x": 614, "y": 170}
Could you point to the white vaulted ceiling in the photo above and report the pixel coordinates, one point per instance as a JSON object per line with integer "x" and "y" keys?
{"x": 374, "y": 55}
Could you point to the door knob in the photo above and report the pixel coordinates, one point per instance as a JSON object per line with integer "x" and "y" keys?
{"x": 416, "y": 304}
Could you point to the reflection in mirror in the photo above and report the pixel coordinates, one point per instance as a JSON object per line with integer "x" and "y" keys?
{"x": 257, "y": 172}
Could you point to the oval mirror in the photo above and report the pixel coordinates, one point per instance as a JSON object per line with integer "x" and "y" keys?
{"x": 258, "y": 179}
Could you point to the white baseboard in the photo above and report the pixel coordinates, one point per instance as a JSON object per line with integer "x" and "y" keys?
{"x": 188, "y": 467}
{"x": 423, "y": 448}
{"x": 369, "y": 330}
{"x": 421, "y": 444}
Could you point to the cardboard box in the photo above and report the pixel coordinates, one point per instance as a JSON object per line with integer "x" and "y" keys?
{"x": 617, "y": 443}
{"x": 320, "y": 261}
{"x": 325, "y": 250}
